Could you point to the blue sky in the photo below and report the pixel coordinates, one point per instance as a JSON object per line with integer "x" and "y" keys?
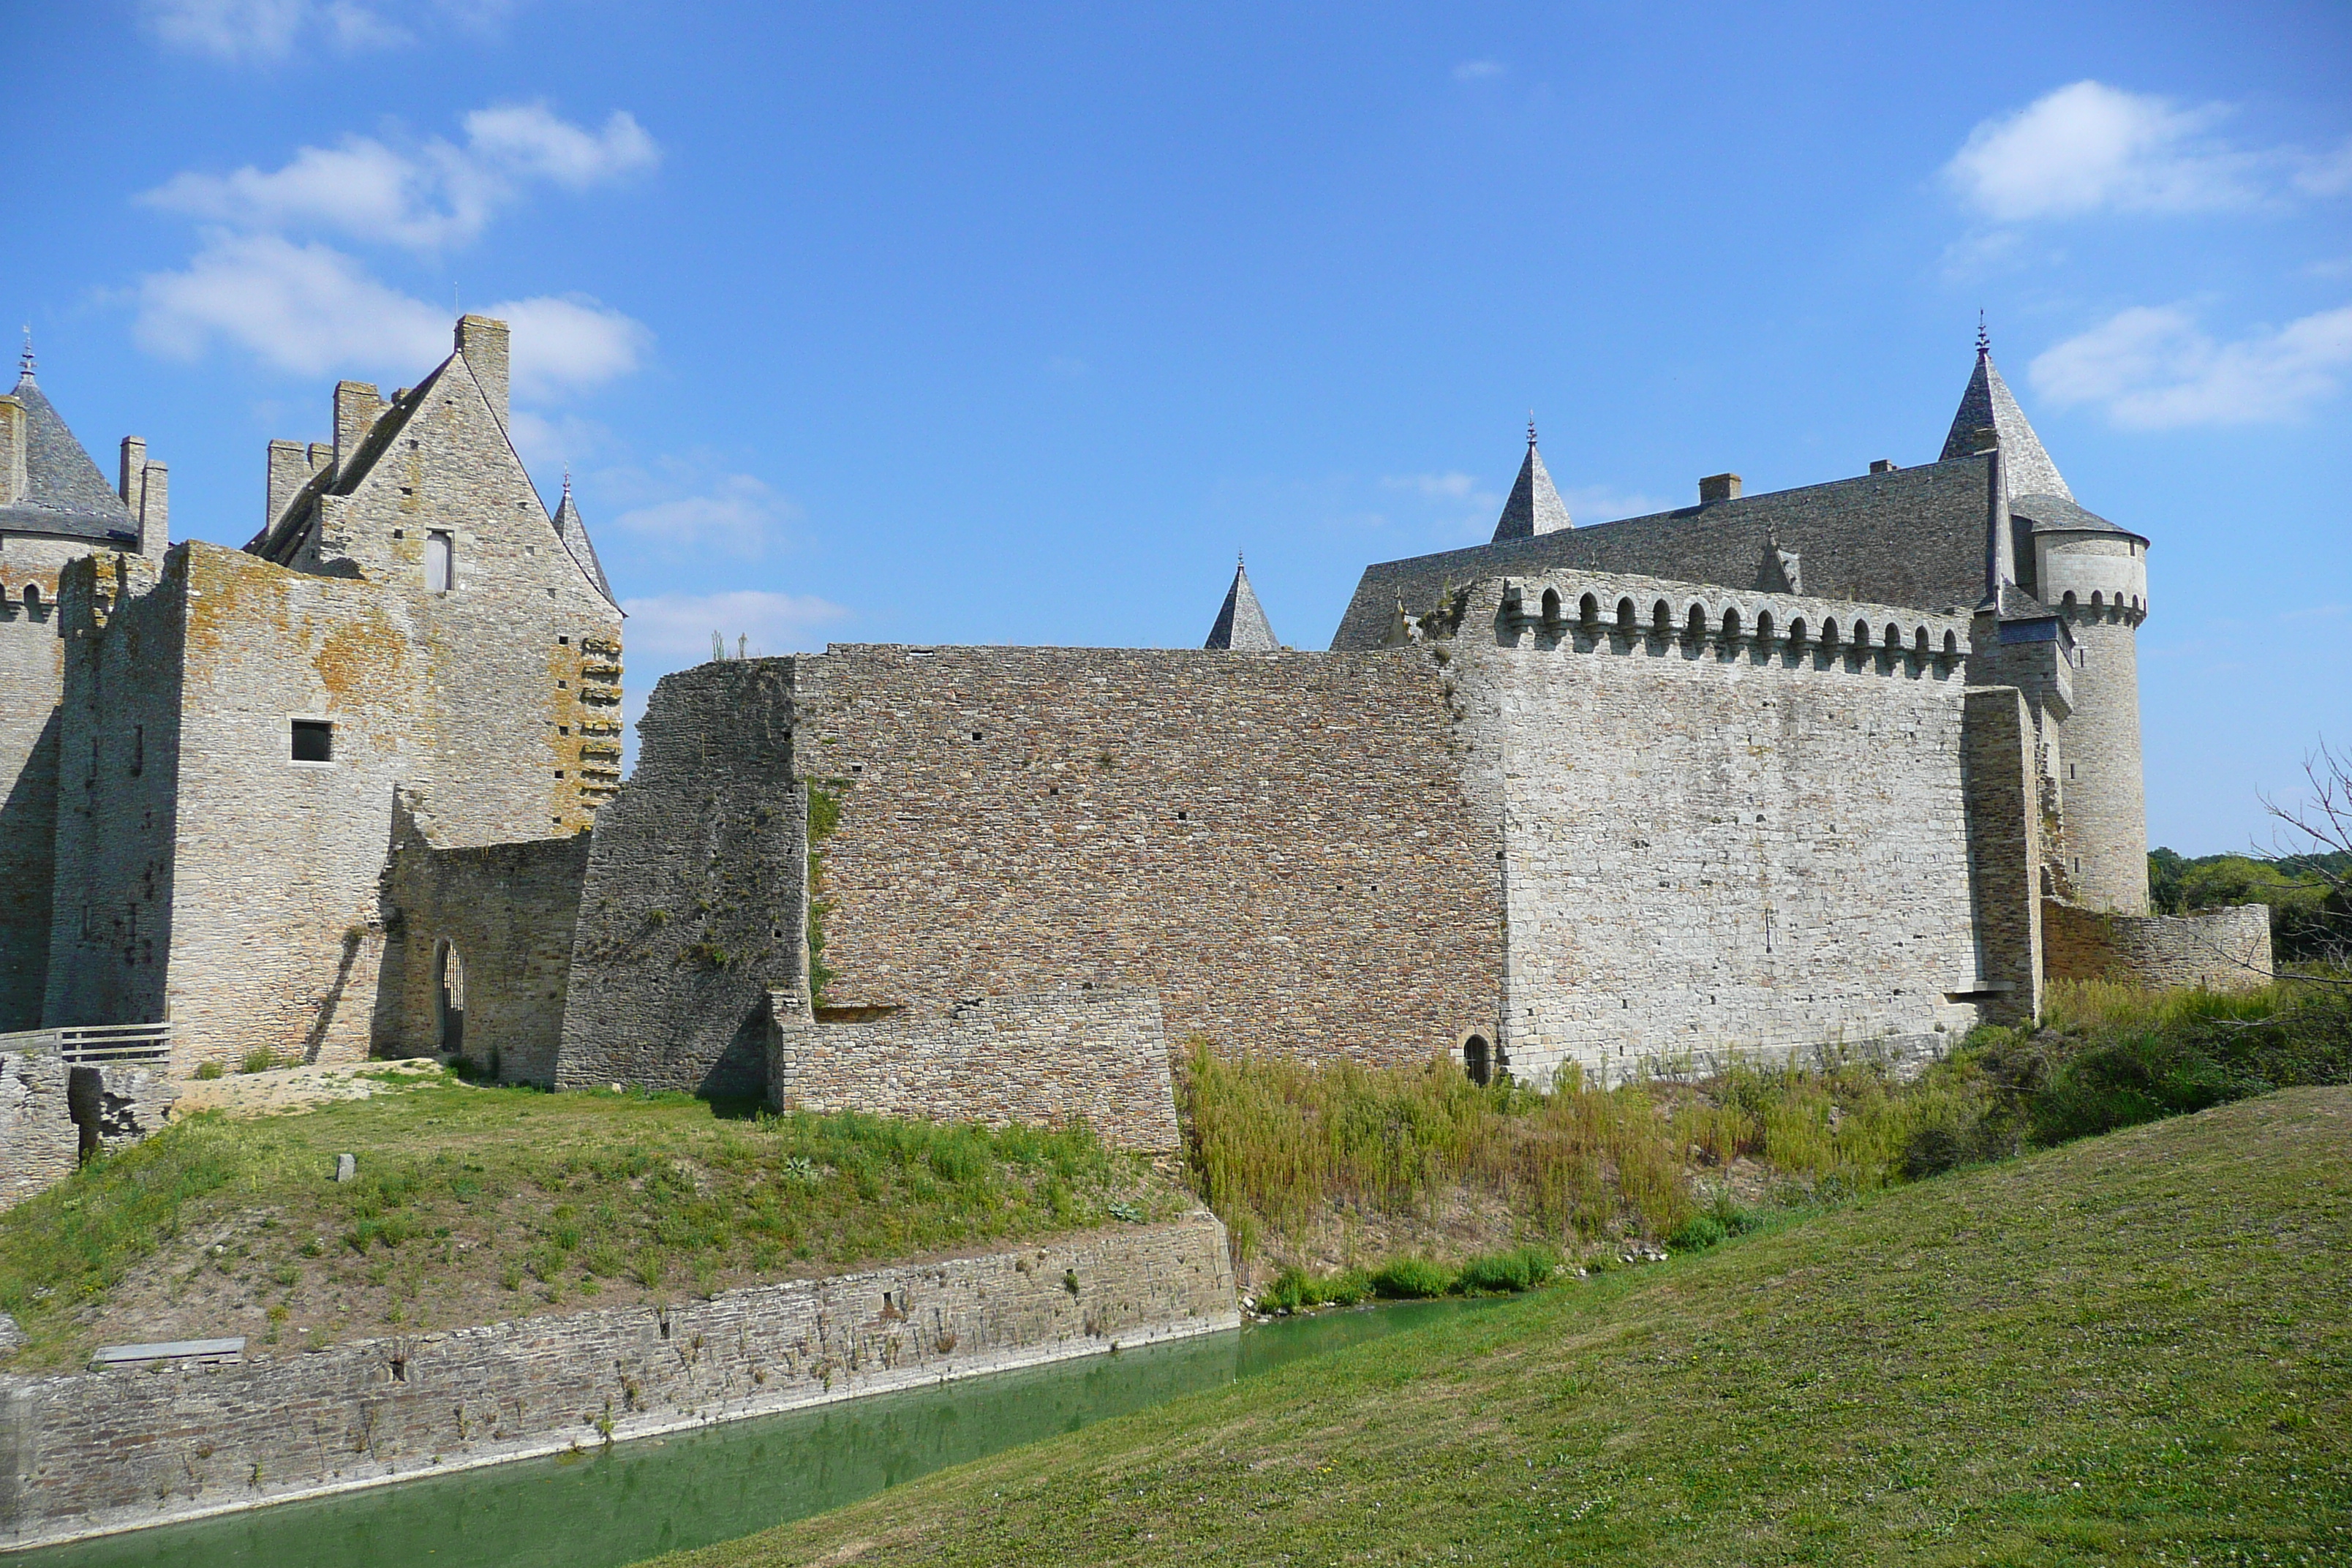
{"x": 957, "y": 324}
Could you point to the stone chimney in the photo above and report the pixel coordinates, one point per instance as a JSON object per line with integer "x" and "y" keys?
{"x": 1882, "y": 465}
{"x": 13, "y": 440}
{"x": 483, "y": 341}
{"x": 358, "y": 405}
{"x": 290, "y": 470}
{"x": 1718, "y": 487}
{"x": 146, "y": 490}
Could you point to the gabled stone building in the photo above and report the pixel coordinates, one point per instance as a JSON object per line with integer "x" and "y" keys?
{"x": 232, "y": 734}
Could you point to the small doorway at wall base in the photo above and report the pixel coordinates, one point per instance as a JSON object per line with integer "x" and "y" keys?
{"x": 449, "y": 997}
{"x": 1478, "y": 1061}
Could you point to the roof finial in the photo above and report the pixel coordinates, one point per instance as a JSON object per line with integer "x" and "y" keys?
{"x": 1984, "y": 339}
{"x": 1531, "y": 426}
{"x": 567, "y": 481}
{"x": 24, "y": 362}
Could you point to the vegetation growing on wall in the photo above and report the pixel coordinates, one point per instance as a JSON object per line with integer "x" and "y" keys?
{"x": 824, "y": 817}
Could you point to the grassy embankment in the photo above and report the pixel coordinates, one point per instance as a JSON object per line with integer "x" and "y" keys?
{"x": 1330, "y": 1177}
{"x": 475, "y": 1205}
{"x": 2130, "y": 1349}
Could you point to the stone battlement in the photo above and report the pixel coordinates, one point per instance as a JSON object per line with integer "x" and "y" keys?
{"x": 1607, "y": 613}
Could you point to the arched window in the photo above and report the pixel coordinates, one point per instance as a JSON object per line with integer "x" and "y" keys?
{"x": 1797, "y": 632}
{"x": 1951, "y": 644}
{"x": 1695, "y": 625}
{"x": 33, "y": 600}
{"x": 1763, "y": 625}
{"x": 2067, "y": 604}
{"x": 1588, "y": 610}
{"x": 1626, "y": 621}
{"x": 1477, "y": 1060}
{"x": 440, "y": 560}
{"x": 1662, "y": 618}
{"x": 1893, "y": 638}
{"x": 1861, "y": 635}
{"x": 1919, "y": 642}
{"x": 1830, "y": 635}
{"x": 1552, "y": 606}
{"x": 1731, "y": 626}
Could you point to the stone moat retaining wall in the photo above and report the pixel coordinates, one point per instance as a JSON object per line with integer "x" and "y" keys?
{"x": 2220, "y": 950}
{"x": 91, "y": 1453}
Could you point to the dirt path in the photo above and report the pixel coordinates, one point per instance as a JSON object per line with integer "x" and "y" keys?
{"x": 284, "y": 1090}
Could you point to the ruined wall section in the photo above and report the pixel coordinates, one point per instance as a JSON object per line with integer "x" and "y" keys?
{"x": 2219, "y": 949}
{"x": 32, "y": 684}
{"x": 692, "y": 909}
{"x": 112, "y": 915}
{"x": 506, "y": 913}
{"x": 1042, "y": 1059}
{"x": 40, "y": 1144}
{"x": 265, "y": 866}
{"x": 114, "y": 1450}
{"x": 1722, "y": 831}
{"x": 1282, "y": 844}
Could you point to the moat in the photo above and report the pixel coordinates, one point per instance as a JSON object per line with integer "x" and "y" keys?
{"x": 636, "y": 1501}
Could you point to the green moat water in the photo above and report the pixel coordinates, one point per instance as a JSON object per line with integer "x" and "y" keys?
{"x": 637, "y": 1501}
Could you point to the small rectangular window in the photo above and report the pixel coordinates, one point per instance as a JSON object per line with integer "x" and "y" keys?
{"x": 314, "y": 740}
{"x": 440, "y": 560}
{"x": 138, "y": 750}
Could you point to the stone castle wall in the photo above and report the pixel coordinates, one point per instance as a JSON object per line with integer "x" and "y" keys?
{"x": 2220, "y": 950}
{"x": 118, "y": 1450}
{"x": 50, "y": 1112}
{"x": 1041, "y": 1059}
{"x": 1720, "y": 835}
{"x": 32, "y": 681}
{"x": 507, "y": 911}
{"x": 1282, "y": 844}
{"x": 692, "y": 907}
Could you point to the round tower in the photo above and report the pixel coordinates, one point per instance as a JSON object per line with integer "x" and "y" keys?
{"x": 2095, "y": 575}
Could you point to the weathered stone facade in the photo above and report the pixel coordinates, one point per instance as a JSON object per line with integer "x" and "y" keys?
{"x": 53, "y": 1113}
{"x": 230, "y": 729}
{"x": 118, "y": 1449}
{"x": 2220, "y": 950}
{"x": 1043, "y": 1058}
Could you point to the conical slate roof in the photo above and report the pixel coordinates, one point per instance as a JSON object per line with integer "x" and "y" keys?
{"x": 1987, "y": 404}
{"x": 1242, "y": 625}
{"x": 573, "y": 531}
{"x": 1534, "y": 507}
{"x": 64, "y": 491}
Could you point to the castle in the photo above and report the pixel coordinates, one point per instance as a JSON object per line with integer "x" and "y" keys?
{"x": 1854, "y": 763}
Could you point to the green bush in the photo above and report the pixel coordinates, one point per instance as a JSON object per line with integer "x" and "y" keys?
{"x": 1699, "y": 1233}
{"x": 1294, "y": 1290}
{"x": 261, "y": 1059}
{"x": 208, "y": 1071}
{"x": 1412, "y": 1278}
{"x": 1521, "y": 1269}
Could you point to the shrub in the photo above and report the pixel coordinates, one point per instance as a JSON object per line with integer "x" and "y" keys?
{"x": 261, "y": 1059}
{"x": 1294, "y": 1290}
{"x": 1412, "y": 1278}
{"x": 1521, "y": 1269}
{"x": 1699, "y": 1233}
{"x": 208, "y": 1071}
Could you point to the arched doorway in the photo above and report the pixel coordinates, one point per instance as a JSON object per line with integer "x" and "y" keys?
{"x": 1478, "y": 1061}
{"x": 449, "y": 996}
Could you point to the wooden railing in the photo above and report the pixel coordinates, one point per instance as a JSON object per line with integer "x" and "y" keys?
{"x": 97, "y": 1044}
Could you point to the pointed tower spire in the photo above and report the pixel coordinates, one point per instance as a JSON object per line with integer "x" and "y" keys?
{"x": 1242, "y": 625}
{"x": 25, "y": 361}
{"x": 1988, "y": 406}
{"x": 1534, "y": 506}
{"x": 573, "y": 530}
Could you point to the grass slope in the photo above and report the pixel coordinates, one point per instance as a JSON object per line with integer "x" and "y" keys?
{"x": 2134, "y": 1349}
{"x": 477, "y": 1204}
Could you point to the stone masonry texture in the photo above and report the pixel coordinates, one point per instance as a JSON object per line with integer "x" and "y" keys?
{"x": 130, "y": 1447}
{"x": 2220, "y": 950}
{"x": 1043, "y": 1058}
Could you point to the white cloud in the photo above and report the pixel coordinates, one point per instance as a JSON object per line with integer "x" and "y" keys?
{"x": 569, "y": 344}
{"x": 250, "y": 31}
{"x": 677, "y": 627}
{"x": 303, "y": 308}
{"x": 1438, "y": 487}
{"x": 2090, "y": 147}
{"x": 436, "y": 197}
{"x": 2329, "y": 174}
{"x": 310, "y": 309}
{"x": 1478, "y": 70}
{"x": 736, "y": 514}
{"x": 2152, "y": 367}
{"x": 547, "y": 441}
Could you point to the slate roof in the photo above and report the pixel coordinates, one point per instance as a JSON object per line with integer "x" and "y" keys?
{"x": 2059, "y": 514}
{"x": 1534, "y": 506}
{"x": 65, "y": 494}
{"x": 1913, "y": 537}
{"x": 1242, "y": 625}
{"x": 1986, "y": 403}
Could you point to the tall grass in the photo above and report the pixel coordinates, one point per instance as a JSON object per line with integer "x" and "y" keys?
{"x": 1275, "y": 1143}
